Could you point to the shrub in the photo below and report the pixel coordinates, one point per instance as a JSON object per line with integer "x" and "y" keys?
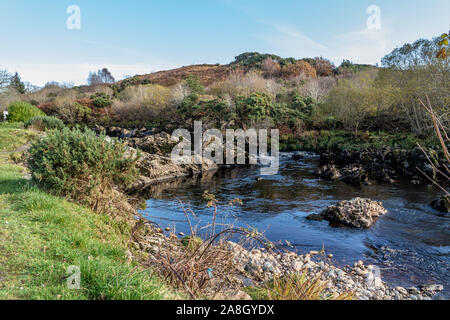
{"x": 71, "y": 111}
{"x": 255, "y": 60}
{"x": 261, "y": 106}
{"x": 194, "y": 84}
{"x": 271, "y": 68}
{"x": 81, "y": 166}
{"x": 237, "y": 84}
{"x": 318, "y": 88}
{"x": 45, "y": 123}
{"x": 22, "y": 112}
{"x": 348, "y": 67}
{"x": 324, "y": 67}
{"x": 101, "y": 100}
{"x": 143, "y": 102}
{"x": 298, "y": 68}
{"x": 255, "y": 107}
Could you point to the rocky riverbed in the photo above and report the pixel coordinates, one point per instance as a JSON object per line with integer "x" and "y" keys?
{"x": 255, "y": 267}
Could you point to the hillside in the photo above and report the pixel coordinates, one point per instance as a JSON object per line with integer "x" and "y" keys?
{"x": 206, "y": 73}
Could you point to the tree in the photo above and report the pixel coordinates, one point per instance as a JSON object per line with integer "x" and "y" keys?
{"x": 100, "y": 77}
{"x": 5, "y": 79}
{"x": 270, "y": 68}
{"x": 443, "y": 44}
{"x": 412, "y": 55}
{"x": 298, "y": 68}
{"x": 415, "y": 71}
{"x": 17, "y": 84}
{"x": 324, "y": 67}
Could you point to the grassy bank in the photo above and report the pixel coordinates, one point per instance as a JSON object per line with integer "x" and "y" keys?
{"x": 42, "y": 235}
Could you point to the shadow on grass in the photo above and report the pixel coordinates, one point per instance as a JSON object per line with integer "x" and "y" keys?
{"x": 10, "y": 186}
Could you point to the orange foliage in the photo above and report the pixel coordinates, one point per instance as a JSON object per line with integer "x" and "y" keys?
{"x": 298, "y": 68}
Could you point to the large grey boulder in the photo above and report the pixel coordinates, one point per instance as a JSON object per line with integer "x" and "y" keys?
{"x": 355, "y": 213}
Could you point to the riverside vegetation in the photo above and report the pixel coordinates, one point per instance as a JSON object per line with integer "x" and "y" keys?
{"x": 66, "y": 199}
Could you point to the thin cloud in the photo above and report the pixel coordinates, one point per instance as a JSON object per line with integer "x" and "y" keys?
{"x": 291, "y": 42}
{"x": 361, "y": 46}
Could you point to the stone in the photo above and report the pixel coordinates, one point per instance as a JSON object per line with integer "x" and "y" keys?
{"x": 441, "y": 204}
{"x": 432, "y": 287}
{"x": 354, "y": 174}
{"x": 413, "y": 290}
{"x": 328, "y": 172}
{"x": 315, "y": 217}
{"x": 356, "y": 213}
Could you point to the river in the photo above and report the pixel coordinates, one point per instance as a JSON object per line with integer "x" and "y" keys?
{"x": 411, "y": 244}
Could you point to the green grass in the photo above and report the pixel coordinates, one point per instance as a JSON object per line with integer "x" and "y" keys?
{"x": 42, "y": 235}
{"x": 12, "y": 136}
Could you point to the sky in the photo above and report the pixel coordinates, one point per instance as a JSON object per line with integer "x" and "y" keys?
{"x": 143, "y": 36}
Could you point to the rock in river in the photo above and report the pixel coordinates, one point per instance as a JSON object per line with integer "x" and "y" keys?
{"x": 356, "y": 213}
{"x": 442, "y": 204}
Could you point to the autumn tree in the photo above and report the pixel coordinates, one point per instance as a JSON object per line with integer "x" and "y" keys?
{"x": 298, "y": 68}
{"x": 324, "y": 67}
{"x": 443, "y": 44}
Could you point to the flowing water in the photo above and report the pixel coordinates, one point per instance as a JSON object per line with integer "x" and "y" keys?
{"x": 411, "y": 244}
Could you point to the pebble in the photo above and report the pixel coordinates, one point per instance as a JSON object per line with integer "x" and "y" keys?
{"x": 413, "y": 290}
{"x": 258, "y": 265}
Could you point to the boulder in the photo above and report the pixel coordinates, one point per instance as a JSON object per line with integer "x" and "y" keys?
{"x": 328, "y": 172}
{"x": 156, "y": 168}
{"x": 441, "y": 204}
{"x": 356, "y": 213}
{"x": 160, "y": 143}
{"x": 354, "y": 174}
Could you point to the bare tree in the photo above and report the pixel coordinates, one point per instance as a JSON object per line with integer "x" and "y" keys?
{"x": 318, "y": 88}
{"x": 270, "y": 68}
{"x": 100, "y": 77}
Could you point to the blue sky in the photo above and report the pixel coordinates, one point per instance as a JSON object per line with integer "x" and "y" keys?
{"x": 142, "y": 36}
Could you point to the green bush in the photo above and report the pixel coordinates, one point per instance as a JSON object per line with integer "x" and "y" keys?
{"x": 81, "y": 166}
{"x": 45, "y": 123}
{"x": 101, "y": 100}
{"x": 194, "y": 84}
{"x": 22, "y": 112}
